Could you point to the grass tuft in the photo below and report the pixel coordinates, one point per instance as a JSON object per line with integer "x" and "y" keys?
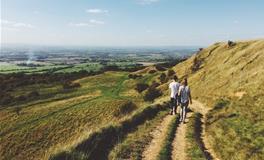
{"x": 165, "y": 153}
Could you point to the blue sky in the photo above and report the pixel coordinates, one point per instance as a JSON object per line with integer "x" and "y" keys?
{"x": 130, "y": 22}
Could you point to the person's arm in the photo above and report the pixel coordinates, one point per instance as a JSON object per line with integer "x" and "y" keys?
{"x": 169, "y": 89}
{"x": 190, "y": 96}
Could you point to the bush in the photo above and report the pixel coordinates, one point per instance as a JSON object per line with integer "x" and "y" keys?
{"x": 221, "y": 104}
{"x": 152, "y": 94}
{"x": 134, "y": 76}
{"x": 196, "y": 64}
{"x": 111, "y": 68}
{"x": 154, "y": 84}
{"x": 140, "y": 87}
{"x": 163, "y": 78}
{"x": 124, "y": 109}
{"x": 231, "y": 43}
{"x": 160, "y": 68}
{"x": 152, "y": 71}
{"x": 171, "y": 73}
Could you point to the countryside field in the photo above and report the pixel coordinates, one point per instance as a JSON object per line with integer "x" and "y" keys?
{"x": 64, "y": 119}
{"x": 131, "y": 80}
{"x": 75, "y": 118}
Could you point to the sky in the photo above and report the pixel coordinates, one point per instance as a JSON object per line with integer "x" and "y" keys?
{"x": 130, "y": 22}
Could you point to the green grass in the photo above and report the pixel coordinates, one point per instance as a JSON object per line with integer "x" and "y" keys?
{"x": 243, "y": 128}
{"x": 49, "y": 123}
{"x": 83, "y": 66}
{"x": 90, "y": 66}
{"x": 194, "y": 150}
{"x": 6, "y": 68}
{"x": 123, "y": 65}
{"x": 148, "y": 78}
{"x": 165, "y": 152}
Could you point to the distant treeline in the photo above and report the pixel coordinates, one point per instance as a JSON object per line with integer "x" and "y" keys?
{"x": 171, "y": 62}
{"x": 10, "y": 82}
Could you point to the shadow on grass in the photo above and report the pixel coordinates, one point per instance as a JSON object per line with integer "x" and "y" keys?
{"x": 99, "y": 144}
{"x": 198, "y": 136}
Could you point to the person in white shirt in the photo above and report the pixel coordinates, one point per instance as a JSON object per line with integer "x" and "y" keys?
{"x": 184, "y": 97}
{"x": 174, "y": 89}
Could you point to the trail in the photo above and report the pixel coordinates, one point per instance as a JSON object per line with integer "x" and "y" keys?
{"x": 179, "y": 143}
{"x": 159, "y": 134}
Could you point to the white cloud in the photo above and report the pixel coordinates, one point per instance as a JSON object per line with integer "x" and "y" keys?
{"x": 9, "y": 29}
{"x": 96, "y": 11}
{"x": 80, "y": 24}
{"x": 3, "y": 22}
{"x": 149, "y": 31}
{"x": 144, "y": 2}
{"x": 90, "y": 23}
{"x": 13, "y": 25}
{"x": 18, "y": 25}
{"x": 96, "y": 22}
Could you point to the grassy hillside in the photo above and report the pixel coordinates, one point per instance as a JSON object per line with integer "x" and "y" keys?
{"x": 57, "y": 122}
{"x": 230, "y": 80}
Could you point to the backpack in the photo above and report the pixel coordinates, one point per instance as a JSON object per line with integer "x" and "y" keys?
{"x": 184, "y": 94}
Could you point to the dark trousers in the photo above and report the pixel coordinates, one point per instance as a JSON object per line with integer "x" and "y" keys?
{"x": 173, "y": 105}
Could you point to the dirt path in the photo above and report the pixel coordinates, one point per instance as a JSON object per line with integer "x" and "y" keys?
{"x": 199, "y": 107}
{"x": 179, "y": 143}
{"x": 159, "y": 134}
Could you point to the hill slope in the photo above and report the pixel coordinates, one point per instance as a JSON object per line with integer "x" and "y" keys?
{"x": 230, "y": 80}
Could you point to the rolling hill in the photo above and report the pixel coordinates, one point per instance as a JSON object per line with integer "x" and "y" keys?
{"x": 108, "y": 117}
{"x": 230, "y": 81}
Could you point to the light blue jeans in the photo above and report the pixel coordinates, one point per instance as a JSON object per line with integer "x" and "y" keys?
{"x": 183, "y": 111}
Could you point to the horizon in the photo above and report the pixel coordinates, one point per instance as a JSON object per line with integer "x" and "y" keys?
{"x": 131, "y": 23}
{"x": 19, "y": 45}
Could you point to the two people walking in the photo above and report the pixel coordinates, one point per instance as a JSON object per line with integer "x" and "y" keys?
{"x": 180, "y": 95}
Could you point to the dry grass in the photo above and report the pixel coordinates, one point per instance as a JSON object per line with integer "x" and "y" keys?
{"x": 134, "y": 143}
{"x": 235, "y": 73}
{"x": 57, "y": 123}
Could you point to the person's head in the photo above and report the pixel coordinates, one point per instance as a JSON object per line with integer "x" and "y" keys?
{"x": 175, "y": 78}
{"x": 185, "y": 82}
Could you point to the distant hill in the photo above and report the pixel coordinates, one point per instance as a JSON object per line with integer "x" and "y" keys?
{"x": 230, "y": 80}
